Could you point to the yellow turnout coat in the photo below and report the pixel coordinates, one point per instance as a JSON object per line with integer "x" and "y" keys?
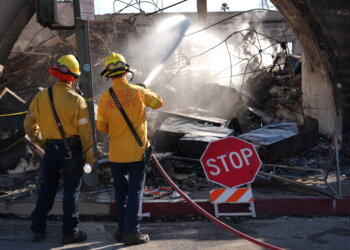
{"x": 134, "y": 99}
{"x": 40, "y": 123}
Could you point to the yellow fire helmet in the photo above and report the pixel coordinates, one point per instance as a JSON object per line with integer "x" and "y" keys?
{"x": 66, "y": 68}
{"x": 115, "y": 65}
{"x": 71, "y": 62}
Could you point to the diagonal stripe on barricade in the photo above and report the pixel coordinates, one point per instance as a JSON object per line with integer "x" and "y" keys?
{"x": 237, "y": 195}
{"x": 215, "y": 194}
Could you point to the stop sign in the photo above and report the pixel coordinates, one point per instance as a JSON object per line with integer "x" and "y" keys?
{"x": 230, "y": 162}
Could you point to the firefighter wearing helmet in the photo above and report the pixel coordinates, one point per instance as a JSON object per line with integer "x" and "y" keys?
{"x": 68, "y": 144}
{"x": 115, "y": 65}
{"x": 126, "y": 152}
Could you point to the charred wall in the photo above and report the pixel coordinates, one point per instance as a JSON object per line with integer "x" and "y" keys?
{"x": 334, "y": 18}
{"x": 322, "y": 27}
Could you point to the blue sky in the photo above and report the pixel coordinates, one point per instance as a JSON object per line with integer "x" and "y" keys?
{"x": 106, "y": 6}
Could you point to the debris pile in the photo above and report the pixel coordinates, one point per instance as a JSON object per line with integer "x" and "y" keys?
{"x": 16, "y": 156}
{"x": 157, "y": 193}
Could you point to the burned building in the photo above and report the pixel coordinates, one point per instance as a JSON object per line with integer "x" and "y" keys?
{"x": 245, "y": 74}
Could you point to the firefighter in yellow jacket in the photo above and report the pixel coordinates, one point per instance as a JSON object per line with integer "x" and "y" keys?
{"x": 125, "y": 153}
{"x": 60, "y": 159}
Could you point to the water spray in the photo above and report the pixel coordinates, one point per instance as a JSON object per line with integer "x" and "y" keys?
{"x": 176, "y": 27}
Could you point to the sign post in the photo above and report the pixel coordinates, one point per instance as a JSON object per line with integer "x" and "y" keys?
{"x": 82, "y": 13}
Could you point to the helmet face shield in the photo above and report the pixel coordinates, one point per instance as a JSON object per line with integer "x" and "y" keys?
{"x": 63, "y": 69}
{"x": 115, "y": 69}
{"x": 117, "y": 66}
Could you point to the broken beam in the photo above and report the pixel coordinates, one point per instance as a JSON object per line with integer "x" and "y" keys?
{"x": 298, "y": 184}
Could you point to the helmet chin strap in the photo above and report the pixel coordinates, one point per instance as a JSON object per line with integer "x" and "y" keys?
{"x": 76, "y": 86}
{"x": 132, "y": 75}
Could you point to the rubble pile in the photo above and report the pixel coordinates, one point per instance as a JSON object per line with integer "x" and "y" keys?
{"x": 16, "y": 156}
{"x": 276, "y": 96}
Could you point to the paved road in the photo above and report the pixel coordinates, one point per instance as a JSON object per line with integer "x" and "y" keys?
{"x": 286, "y": 232}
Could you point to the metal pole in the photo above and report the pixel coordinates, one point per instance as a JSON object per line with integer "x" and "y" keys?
{"x": 202, "y": 13}
{"x": 83, "y": 50}
{"x": 338, "y": 167}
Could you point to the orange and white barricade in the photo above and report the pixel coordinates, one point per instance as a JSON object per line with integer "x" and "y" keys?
{"x": 233, "y": 195}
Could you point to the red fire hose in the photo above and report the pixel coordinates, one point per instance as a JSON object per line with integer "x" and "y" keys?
{"x": 206, "y": 214}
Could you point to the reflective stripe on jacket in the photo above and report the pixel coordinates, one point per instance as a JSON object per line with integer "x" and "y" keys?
{"x": 134, "y": 99}
{"x": 40, "y": 123}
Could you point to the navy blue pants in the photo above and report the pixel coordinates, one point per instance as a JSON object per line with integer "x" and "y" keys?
{"x": 129, "y": 181}
{"x": 51, "y": 168}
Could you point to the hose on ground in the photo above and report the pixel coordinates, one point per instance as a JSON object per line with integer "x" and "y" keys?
{"x": 205, "y": 213}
